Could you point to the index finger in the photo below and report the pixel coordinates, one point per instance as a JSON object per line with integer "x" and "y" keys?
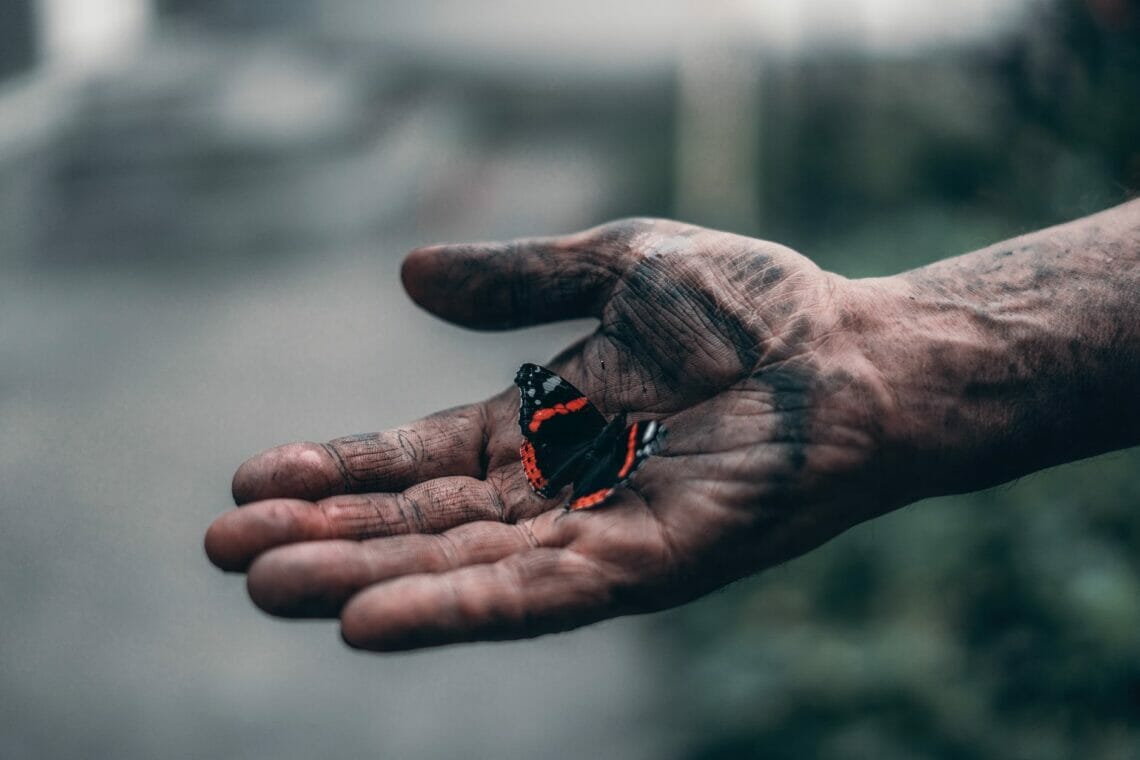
{"x": 451, "y": 442}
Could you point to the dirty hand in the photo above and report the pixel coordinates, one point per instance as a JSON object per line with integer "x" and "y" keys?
{"x": 798, "y": 404}
{"x": 430, "y": 533}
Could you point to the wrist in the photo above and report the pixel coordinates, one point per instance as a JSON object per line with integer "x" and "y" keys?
{"x": 937, "y": 431}
{"x": 1011, "y": 359}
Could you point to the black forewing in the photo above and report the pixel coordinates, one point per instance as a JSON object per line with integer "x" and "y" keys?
{"x": 561, "y": 435}
{"x": 539, "y": 388}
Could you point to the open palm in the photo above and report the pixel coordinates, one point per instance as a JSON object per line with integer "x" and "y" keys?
{"x": 430, "y": 533}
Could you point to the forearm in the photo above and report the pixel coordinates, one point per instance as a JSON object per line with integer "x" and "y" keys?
{"x": 1013, "y": 358}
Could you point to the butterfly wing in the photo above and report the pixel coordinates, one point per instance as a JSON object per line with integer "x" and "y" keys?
{"x": 559, "y": 425}
{"x": 614, "y": 461}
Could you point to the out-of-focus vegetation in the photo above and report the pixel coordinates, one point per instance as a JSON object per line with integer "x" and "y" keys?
{"x": 1002, "y": 624}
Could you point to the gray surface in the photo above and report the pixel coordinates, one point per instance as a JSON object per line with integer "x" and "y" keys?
{"x": 160, "y": 322}
{"x": 126, "y": 407}
{"x": 17, "y": 35}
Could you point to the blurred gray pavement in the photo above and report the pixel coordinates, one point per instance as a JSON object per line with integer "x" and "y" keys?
{"x": 171, "y": 305}
{"x": 125, "y": 410}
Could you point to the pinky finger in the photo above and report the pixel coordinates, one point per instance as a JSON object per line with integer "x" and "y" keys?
{"x": 525, "y": 595}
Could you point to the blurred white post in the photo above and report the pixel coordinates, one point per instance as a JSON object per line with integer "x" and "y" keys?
{"x": 72, "y": 40}
{"x": 719, "y": 118}
{"x": 51, "y": 47}
{"x": 82, "y": 37}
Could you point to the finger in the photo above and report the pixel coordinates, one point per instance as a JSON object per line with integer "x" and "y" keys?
{"x": 447, "y": 443}
{"x": 522, "y": 282}
{"x": 524, "y": 595}
{"x": 238, "y": 536}
{"x": 315, "y": 580}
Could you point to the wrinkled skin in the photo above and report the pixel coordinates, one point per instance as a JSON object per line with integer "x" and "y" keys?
{"x": 798, "y": 404}
{"x": 429, "y": 534}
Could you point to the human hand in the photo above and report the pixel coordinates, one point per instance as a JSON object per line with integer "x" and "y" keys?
{"x": 430, "y": 534}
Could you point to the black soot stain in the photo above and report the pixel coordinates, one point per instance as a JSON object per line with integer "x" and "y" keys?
{"x": 792, "y": 387}
{"x": 687, "y": 306}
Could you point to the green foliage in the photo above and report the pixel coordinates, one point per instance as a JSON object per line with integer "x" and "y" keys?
{"x": 998, "y": 624}
{"x": 1002, "y": 624}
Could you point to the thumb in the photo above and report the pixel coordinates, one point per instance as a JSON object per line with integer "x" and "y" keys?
{"x": 494, "y": 286}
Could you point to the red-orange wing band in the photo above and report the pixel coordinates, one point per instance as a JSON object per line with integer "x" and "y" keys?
{"x": 630, "y": 452}
{"x": 542, "y": 415}
{"x": 530, "y": 466}
{"x": 590, "y": 500}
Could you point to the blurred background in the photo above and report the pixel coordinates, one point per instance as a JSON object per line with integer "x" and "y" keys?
{"x": 203, "y": 208}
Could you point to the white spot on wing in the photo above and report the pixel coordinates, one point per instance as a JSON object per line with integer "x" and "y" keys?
{"x": 650, "y": 431}
{"x": 550, "y": 383}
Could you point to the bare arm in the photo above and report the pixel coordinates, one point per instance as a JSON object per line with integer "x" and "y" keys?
{"x": 1013, "y": 358}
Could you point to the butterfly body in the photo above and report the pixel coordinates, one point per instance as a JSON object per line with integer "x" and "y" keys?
{"x": 567, "y": 440}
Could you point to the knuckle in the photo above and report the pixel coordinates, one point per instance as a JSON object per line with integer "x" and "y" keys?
{"x": 623, "y": 236}
{"x": 411, "y": 514}
{"x": 369, "y": 516}
{"x": 449, "y": 554}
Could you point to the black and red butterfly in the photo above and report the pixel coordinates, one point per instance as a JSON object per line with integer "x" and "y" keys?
{"x": 569, "y": 441}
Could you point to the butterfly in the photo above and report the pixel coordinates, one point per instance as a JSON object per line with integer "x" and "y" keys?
{"x": 567, "y": 440}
